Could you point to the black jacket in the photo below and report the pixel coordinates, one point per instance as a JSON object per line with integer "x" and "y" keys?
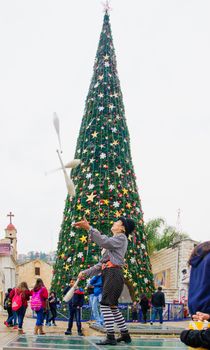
{"x": 7, "y": 302}
{"x": 144, "y": 303}
{"x": 53, "y": 302}
{"x": 78, "y": 298}
{"x": 196, "y": 339}
{"x": 158, "y": 299}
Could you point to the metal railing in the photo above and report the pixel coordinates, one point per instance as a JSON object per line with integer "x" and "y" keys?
{"x": 172, "y": 312}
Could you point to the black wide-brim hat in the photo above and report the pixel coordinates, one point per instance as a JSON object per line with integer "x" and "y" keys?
{"x": 129, "y": 225}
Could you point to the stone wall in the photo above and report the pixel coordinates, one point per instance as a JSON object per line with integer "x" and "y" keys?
{"x": 27, "y": 272}
{"x": 165, "y": 269}
{"x": 171, "y": 270}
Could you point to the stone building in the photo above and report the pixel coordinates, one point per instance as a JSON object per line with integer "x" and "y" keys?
{"x": 8, "y": 260}
{"x": 171, "y": 270}
{"x": 31, "y": 270}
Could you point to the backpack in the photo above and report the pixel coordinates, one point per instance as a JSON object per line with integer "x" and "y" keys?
{"x": 17, "y": 301}
{"x": 36, "y": 301}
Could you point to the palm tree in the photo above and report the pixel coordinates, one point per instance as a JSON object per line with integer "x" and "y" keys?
{"x": 159, "y": 235}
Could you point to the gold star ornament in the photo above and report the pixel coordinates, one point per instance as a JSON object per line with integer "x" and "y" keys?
{"x": 125, "y": 191}
{"x": 94, "y": 134}
{"x": 66, "y": 267}
{"x": 90, "y": 197}
{"x": 118, "y": 171}
{"x": 83, "y": 239}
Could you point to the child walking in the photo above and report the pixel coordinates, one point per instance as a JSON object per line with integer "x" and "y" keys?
{"x": 110, "y": 267}
{"x": 135, "y": 309}
{"x": 53, "y": 308}
{"x": 8, "y": 307}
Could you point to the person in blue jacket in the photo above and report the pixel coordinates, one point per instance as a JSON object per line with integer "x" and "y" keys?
{"x": 96, "y": 282}
{"x": 199, "y": 297}
{"x": 75, "y": 305}
{"x": 199, "y": 286}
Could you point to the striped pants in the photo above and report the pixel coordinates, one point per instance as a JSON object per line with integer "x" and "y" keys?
{"x": 112, "y": 315}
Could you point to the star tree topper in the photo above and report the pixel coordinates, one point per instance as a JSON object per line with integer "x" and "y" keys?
{"x": 106, "y": 5}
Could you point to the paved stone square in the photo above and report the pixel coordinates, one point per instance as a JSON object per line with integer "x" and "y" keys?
{"x": 87, "y": 343}
{"x": 55, "y": 339}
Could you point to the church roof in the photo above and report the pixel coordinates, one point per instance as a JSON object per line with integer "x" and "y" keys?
{"x": 10, "y": 227}
{"x": 34, "y": 261}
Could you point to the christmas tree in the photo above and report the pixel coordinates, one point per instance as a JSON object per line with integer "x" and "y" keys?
{"x": 105, "y": 180}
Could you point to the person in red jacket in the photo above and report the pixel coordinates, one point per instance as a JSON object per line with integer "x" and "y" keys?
{"x": 43, "y": 295}
{"x": 22, "y": 290}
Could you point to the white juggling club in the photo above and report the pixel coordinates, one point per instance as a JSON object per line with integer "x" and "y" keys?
{"x": 70, "y": 293}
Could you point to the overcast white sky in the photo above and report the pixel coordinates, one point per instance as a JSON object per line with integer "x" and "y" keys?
{"x": 47, "y": 51}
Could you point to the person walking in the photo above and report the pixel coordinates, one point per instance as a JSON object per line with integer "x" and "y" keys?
{"x": 53, "y": 308}
{"x": 110, "y": 266}
{"x": 46, "y": 313}
{"x": 144, "y": 303}
{"x": 39, "y": 295}
{"x": 158, "y": 303}
{"x": 8, "y": 308}
{"x": 19, "y": 297}
{"x": 75, "y": 305}
{"x": 96, "y": 282}
{"x": 12, "y": 315}
{"x": 90, "y": 291}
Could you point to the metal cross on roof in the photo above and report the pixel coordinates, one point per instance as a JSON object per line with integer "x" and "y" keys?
{"x": 10, "y": 216}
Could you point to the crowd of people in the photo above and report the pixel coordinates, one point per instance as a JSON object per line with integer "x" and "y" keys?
{"x": 16, "y": 303}
{"x": 105, "y": 287}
